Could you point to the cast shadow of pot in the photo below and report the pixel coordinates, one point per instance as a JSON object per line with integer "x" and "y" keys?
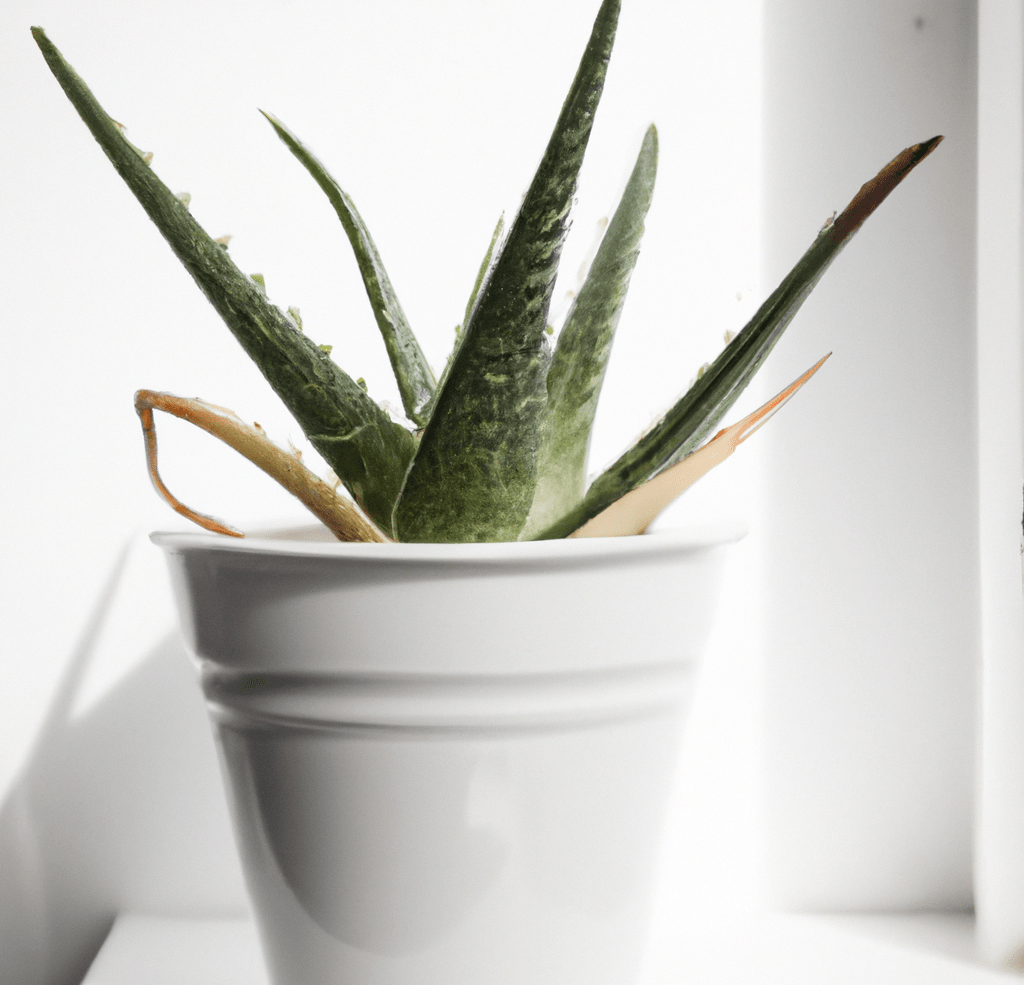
{"x": 118, "y": 807}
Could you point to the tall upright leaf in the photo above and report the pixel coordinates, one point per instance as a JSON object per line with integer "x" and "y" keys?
{"x": 584, "y": 345}
{"x": 474, "y": 473}
{"x": 358, "y": 440}
{"x": 485, "y": 266}
{"x": 700, "y": 409}
{"x": 412, "y": 373}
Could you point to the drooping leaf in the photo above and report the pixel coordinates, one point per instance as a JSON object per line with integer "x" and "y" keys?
{"x": 474, "y": 473}
{"x": 700, "y": 409}
{"x": 367, "y": 450}
{"x": 584, "y": 344}
{"x": 413, "y": 374}
{"x": 336, "y": 512}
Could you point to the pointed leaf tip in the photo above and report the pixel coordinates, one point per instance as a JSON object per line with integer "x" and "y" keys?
{"x": 475, "y": 471}
{"x": 875, "y": 191}
{"x": 357, "y": 439}
{"x": 413, "y": 374}
{"x": 584, "y": 345}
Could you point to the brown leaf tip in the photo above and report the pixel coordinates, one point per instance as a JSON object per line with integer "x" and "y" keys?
{"x": 875, "y": 191}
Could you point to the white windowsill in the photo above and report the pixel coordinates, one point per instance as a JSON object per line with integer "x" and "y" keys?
{"x": 788, "y": 949}
{"x": 148, "y": 950}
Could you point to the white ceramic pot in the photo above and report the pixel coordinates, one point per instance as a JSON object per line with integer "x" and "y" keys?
{"x": 448, "y": 764}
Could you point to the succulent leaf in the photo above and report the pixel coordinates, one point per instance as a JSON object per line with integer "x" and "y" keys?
{"x": 584, "y": 345}
{"x": 412, "y": 372}
{"x": 700, "y": 409}
{"x": 474, "y": 474}
{"x": 358, "y": 440}
{"x": 485, "y": 266}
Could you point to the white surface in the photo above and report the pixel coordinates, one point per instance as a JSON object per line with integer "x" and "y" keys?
{"x": 999, "y": 865}
{"x": 871, "y": 589}
{"x": 148, "y": 950}
{"x": 915, "y": 949}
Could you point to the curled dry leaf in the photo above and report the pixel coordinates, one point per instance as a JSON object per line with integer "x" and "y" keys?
{"x": 339, "y": 514}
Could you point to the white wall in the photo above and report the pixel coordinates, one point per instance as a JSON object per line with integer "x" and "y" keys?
{"x": 999, "y": 867}
{"x": 871, "y": 594}
{"x": 433, "y": 118}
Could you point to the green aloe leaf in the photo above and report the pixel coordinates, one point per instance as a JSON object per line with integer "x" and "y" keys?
{"x": 584, "y": 345}
{"x": 700, "y": 409}
{"x": 474, "y": 474}
{"x": 485, "y": 266}
{"x": 412, "y": 372}
{"x": 367, "y": 450}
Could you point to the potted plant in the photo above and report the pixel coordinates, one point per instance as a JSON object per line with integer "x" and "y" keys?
{"x": 448, "y": 721}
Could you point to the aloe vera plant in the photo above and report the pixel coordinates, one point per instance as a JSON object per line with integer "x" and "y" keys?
{"x": 498, "y": 446}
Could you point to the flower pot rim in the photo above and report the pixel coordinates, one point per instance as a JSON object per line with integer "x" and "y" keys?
{"x": 316, "y": 541}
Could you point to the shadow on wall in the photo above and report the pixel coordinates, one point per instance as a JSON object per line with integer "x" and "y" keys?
{"x": 119, "y": 807}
